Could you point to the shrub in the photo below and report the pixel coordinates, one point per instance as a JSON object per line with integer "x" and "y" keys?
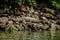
{"x": 55, "y": 3}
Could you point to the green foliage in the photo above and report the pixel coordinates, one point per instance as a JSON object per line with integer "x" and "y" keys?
{"x": 55, "y": 3}
{"x": 19, "y": 2}
{"x": 26, "y": 2}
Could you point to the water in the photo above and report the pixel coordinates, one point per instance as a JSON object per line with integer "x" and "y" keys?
{"x": 41, "y": 35}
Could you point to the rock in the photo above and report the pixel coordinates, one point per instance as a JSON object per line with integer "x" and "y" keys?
{"x": 19, "y": 27}
{"x": 30, "y": 19}
{"x": 44, "y": 20}
{"x": 35, "y": 13}
{"x": 17, "y": 19}
{"x": 10, "y": 22}
{"x": 31, "y": 10}
{"x": 23, "y": 8}
{"x": 3, "y": 20}
{"x": 27, "y": 18}
{"x": 53, "y": 27}
{"x": 49, "y": 10}
{"x": 27, "y": 8}
{"x": 41, "y": 14}
{"x": 31, "y": 27}
{"x": 22, "y": 13}
{"x": 49, "y": 16}
{"x": 41, "y": 27}
{"x": 46, "y": 27}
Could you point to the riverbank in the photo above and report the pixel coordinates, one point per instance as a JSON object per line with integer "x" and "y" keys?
{"x": 28, "y": 18}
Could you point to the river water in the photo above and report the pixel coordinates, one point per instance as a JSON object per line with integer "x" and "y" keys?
{"x": 28, "y": 35}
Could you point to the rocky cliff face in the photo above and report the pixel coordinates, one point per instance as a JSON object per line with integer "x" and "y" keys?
{"x": 28, "y": 18}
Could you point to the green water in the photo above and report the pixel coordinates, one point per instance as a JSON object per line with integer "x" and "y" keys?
{"x": 41, "y": 35}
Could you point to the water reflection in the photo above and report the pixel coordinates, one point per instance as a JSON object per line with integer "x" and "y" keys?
{"x": 41, "y": 35}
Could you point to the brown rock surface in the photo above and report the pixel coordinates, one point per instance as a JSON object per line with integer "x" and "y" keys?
{"x": 27, "y": 18}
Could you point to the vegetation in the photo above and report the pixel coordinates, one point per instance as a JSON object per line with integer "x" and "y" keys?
{"x": 55, "y": 3}
{"x": 16, "y": 3}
